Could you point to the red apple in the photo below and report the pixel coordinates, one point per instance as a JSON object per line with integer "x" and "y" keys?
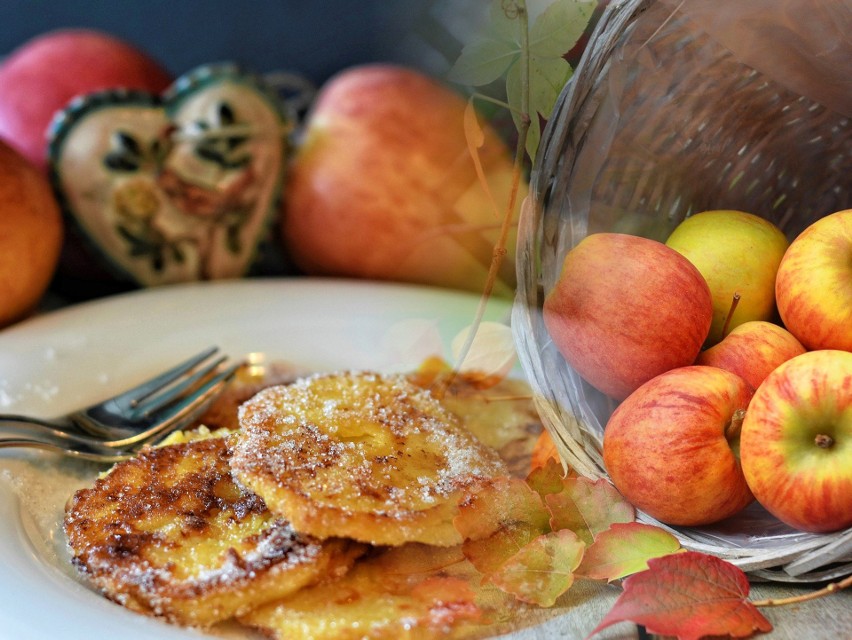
{"x": 626, "y": 309}
{"x": 796, "y": 443}
{"x": 30, "y": 235}
{"x": 383, "y": 185}
{"x": 671, "y": 447}
{"x": 813, "y": 288}
{"x": 752, "y": 350}
{"x": 41, "y": 76}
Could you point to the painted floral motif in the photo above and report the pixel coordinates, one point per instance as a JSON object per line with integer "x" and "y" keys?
{"x": 178, "y": 188}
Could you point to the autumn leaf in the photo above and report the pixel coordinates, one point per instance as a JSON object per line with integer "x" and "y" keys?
{"x": 625, "y": 548}
{"x": 688, "y": 595}
{"x": 543, "y": 569}
{"x": 547, "y": 478}
{"x": 588, "y": 507}
{"x": 499, "y": 521}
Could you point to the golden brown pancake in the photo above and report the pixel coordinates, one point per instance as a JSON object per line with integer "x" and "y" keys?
{"x": 169, "y": 533}
{"x": 360, "y": 455}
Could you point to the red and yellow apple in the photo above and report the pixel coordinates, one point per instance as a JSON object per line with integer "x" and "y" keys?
{"x": 671, "y": 446}
{"x": 626, "y": 309}
{"x": 752, "y": 350}
{"x": 814, "y": 284}
{"x": 42, "y": 75}
{"x": 383, "y": 185}
{"x": 31, "y": 235}
{"x": 796, "y": 442}
{"x": 737, "y": 253}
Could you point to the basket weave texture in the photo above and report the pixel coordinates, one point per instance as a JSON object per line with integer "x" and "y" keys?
{"x": 661, "y": 121}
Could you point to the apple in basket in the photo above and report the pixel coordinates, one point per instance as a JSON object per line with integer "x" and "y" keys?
{"x": 814, "y": 284}
{"x": 671, "y": 446}
{"x": 626, "y": 309}
{"x": 383, "y": 184}
{"x": 796, "y": 442}
{"x": 42, "y": 75}
{"x": 752, "y": 350}
{"x": 737, "y": 253}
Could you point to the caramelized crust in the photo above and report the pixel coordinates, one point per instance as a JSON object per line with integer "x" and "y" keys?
{"x": 360, "y": 455}
{"x": 169, "y": 533}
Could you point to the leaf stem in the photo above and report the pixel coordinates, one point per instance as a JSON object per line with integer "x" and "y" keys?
{"x": 499, "y": 103}
{"x": 499, "y": 250}
{"x": 821, "y": 593}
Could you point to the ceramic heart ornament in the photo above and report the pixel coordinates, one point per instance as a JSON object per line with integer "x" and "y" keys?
{"x": 176, "y": 187}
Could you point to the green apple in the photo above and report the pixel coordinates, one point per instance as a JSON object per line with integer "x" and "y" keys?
{"x": 737, "y": 253}
{"x": 796, "y": 441}
{"x": 814, "y": 284}
{"x": 626, "y": 309}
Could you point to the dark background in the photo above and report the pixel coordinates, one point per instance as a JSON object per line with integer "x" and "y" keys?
{"x": 314, "y": 38}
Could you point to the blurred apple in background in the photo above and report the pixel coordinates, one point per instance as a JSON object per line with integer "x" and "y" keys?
{"x": 752, "y": 350}
{"x": 30, "y": 235}
{"x": 736, "y": 252}
{"x": 383, "y": 185}
{"x": 42, "y": 75}
{"x": 814, "y": 284}
{"x": 671, "y": 448}
{"x": 626, "y": 309}
{"x": 796, "y": 442}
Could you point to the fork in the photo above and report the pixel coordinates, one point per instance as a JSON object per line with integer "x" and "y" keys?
{"x": 116, "y": 428}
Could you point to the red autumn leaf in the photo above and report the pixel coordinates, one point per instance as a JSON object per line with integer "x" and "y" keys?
{"x": 543, "y": 569}
{"x": 499, "y": 521}
{"x": 688, "y": 595}
{"x": 588, "y": 508}
{"x": 625, "y": 548}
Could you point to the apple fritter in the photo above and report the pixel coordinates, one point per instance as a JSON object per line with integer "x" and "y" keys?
{"x": 169, "y": 533}
{"x": 360, "y": 455}
{"x": 410, "y": 592}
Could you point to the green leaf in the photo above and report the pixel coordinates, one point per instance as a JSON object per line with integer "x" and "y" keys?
{"x": 547, "y": 479}
{"x": 624, "y": 549}
{"x": 559, "y": 27}
{"x": 588, "y": 508}
{"x": 482, "y": 62}
{"x": 543, "y": 569}
{"x": 547, "y": 78}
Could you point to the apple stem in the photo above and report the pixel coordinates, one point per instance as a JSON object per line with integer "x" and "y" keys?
{"x": 824, "y": 441}
{"x": 734, "y": 302}
{"x": 733, "y": 428}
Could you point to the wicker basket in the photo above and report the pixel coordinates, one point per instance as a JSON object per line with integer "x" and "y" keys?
{"x": 659, "y": 121}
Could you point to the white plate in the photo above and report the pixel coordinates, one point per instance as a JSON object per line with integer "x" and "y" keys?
{"x": 63, "y": 360}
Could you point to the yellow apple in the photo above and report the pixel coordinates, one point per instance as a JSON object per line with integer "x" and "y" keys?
{"x": 814, "y": 284}
{"x": 383, "y": 185}
{"x": 737, "y": 253}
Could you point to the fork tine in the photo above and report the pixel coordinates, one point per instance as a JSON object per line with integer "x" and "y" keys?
{"x": 153, "y": 402}
{"x": 137, "y": 394}
{"x": 178, "y": 414}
